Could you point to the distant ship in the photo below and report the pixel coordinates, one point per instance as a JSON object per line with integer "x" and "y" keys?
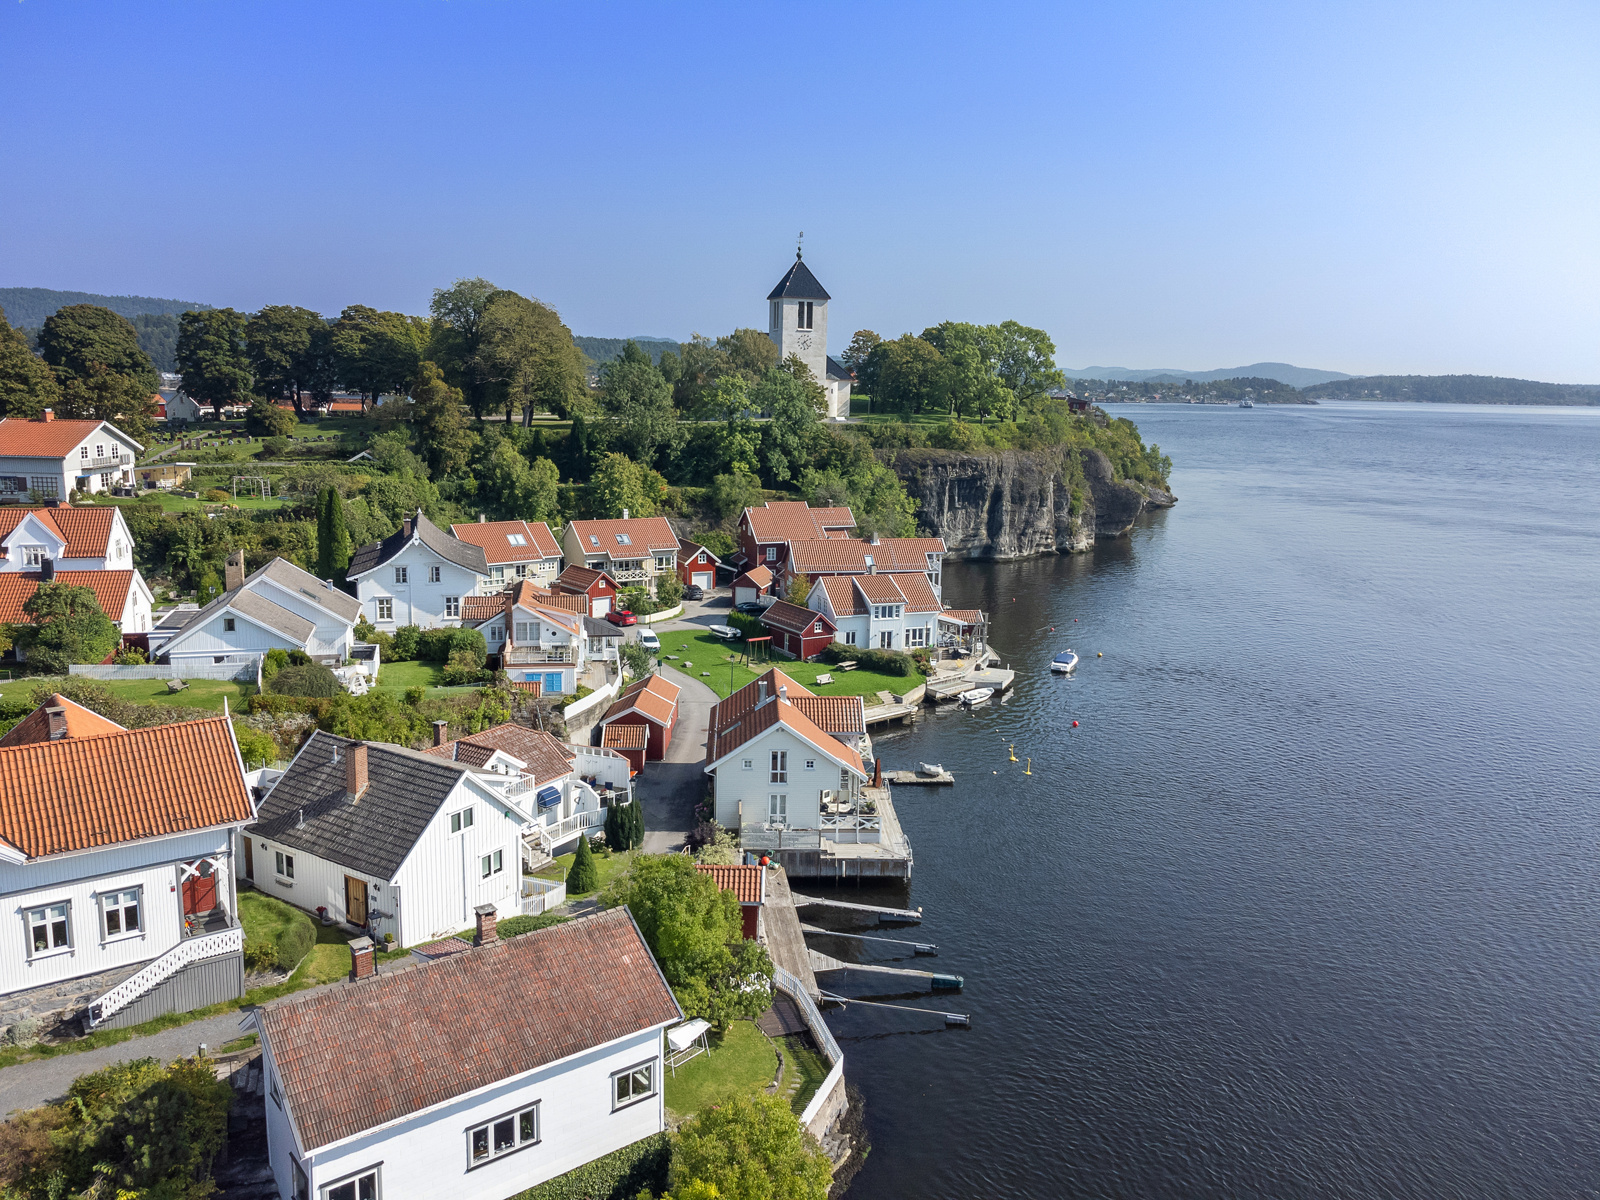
{"x": 1247, "y": 404}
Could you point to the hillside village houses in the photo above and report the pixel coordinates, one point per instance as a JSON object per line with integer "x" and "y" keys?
{"x": 417, "y": 576}
{"x": 84, "y": 547}
{"x": 48, "y": 459}
{"x": 632, "y": 551}
{"x": 514, "y": 550}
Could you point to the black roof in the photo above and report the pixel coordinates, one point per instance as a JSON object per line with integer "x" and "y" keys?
{"x": 798, "y": 284}
{"x": 599, "y": 627}
{"x": 837, "y": 370}
{"x": 375, "y": 554}
{"x": 309, "y": 810}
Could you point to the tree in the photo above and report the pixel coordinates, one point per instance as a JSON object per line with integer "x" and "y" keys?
{"x": 212, "y": 357}
{"x": 27, "y": 384}
{"x": 526, "y": 358}
{"x": 798, "y": 591}
{"x": 333, "y": 536}
{"x": 377, "y": 352}
{"x": 688, "y": 923}
{"x": 104, "y": 395}
{"x": 860, "y": 346}
{"x": 795, "y": 402}
{"x": 441, "y": 431}
{"x": 906, "y": 375}
{"x": 584, "y": 876}
{"x": 266, "y": 419}
{"x": 639, "y": 402}
{"x": 748, "y": 1147}
{"x": 457, "y": 320}
{"x": 731, "y": 494}
{"x": 80, "y": 335}
{"x": 515, "y": 489}
{"x": 636, "y": 659}
{"x": 281, "y": 342}
{"x": 66, "y": 626}
{"x": 1025, "y": 361}
{"x": 751, "y": 352}
{"x": 620, "y": 483}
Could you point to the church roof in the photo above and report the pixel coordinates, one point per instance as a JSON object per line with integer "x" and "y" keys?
{"x": 798, "y": 284}
{"x": 837, "y": 370}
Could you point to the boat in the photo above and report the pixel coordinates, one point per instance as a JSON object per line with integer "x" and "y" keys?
{"x": 976, "y": 695}
{"x": 726, "y": 632}
{"x": 929, "y": 769}
{"x": 1064, "y": 662}
{"x": 1247, "y": 404}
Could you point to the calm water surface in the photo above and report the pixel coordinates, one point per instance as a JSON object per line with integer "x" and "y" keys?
{"x": 1307, "y": 904}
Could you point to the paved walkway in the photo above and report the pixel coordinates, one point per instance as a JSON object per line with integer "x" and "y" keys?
{"x": 669, "y": 790}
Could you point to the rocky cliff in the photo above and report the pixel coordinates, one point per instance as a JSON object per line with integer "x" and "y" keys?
{"x": 1017, "y": 503}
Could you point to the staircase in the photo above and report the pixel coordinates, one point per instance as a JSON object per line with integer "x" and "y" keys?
{"x": 153, "y": 974}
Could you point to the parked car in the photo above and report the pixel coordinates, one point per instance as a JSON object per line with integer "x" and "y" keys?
{"x": 621, "y": 616}
{"x": 694, "y": 592}
{"x": 649, "y": 640}
{"x": 750, "y": 606}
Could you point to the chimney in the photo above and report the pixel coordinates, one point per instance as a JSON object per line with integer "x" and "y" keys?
{"x": 48, "y": 415}
{"x": 486, "y": 922}
{"x": 761, "y": 692}
{"x": 405, "y": 528}
{"x": 361, "y": 958}
{"x": 441, "y": 732}
{"x": 874, "y": 539}
{"x": 482, "y": 518}
{"x": 47, "y": 570}
{"x": 877, "y": 772}
{"x": 58, "y": 722}
{"x": 783, "y": 693}
{"x": 233, "y": 572}
{"x": 624, "y": 511}
{"x": 355, "y": 771}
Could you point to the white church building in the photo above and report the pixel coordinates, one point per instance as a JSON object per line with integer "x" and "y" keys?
{"x": 798, "y": 322}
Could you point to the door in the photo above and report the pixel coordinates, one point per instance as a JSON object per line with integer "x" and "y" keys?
{"x": 355, "y": 900}
{"x": 199, "y": 888}
{"x": 705, "y": 579}
{"x": 249, "y": 859}
{"x": 600, "y": 606}
{"x": 552, "y": 682}
{"x": 745, "y": 595}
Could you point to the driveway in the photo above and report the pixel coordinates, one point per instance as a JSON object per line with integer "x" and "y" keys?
{"x": 670, "y": 789}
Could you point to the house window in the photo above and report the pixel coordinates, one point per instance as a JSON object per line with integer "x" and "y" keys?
{"x": 811, "y": 764}
{"x": 119, "y": 912}
{"x": 850, "y": 637}
{"x": 663, "y": 562}
{"x": 491, "y": 864}
{"x": 817, "y": 628}
{"x": 400, "y": 574}
{"x": 749, "y": 763}
{"x": 624, "y": 540}
{"x": 83, "y": 452}
{"x": 522, "y": 570}
{"x": 32, "y": 556}
{"x": 594, "y": 541}
{"x": 361, "y": 1186}
{"x": 772, "y": 554}
{"x": 917, "y": 635}
{"x": 385, "y": 607}
{"x": 499, "y": 574}
{"x": 50, "y": 928}
{"x": 516, "y": 539}
{"x": 527, "y": 631}
{"x": 47, "y": 486}
{"x": 302, "y": 1185}
{"x": 275, "y": 1090}
{"x": 633, "y": 1085}
{"x": 433, "y": 574}
{"x": 452, "y": 606}
{"x": 227, "y": 625}
{"x": 778, "y": 809}
{"x": 780, "y": 767}
{"x": 99, "y": 451}
{"x": 502, "y": 1136}
{"x": 886, "y": 640}
{"x": 866, "y": 559}
{"x": 461, "y": 820}
{"x": 283, "y": 864}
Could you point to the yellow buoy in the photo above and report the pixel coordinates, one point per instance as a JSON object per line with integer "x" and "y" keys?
{"x": 1029, "y": 770}
{"x": 1013, "y": 752}
{"x": 1099, "y": 655}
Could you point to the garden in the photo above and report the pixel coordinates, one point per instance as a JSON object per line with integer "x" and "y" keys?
{"x": 698, "y": 653}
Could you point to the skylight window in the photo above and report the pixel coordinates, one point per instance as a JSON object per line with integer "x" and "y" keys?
{"x": 516, "y": 539}
{"x": 594, "y": 540}
{"x": 624, "y": 540}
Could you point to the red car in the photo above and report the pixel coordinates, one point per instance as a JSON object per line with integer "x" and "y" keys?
{"x": 621, "y": 616}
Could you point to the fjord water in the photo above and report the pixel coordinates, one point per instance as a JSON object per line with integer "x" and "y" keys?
{"x": 1309, "y": 904}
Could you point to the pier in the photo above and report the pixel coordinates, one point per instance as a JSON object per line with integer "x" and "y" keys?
{"x": 821, "y": 964}
{"x": 921, "y": 948}
{"x": 882, "y": 912}
{"x": 916, "y": 779}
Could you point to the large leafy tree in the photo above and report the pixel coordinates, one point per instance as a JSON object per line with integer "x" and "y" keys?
{"x": 105, "y": 395}
{"x": 442, "y": 435}
{"x": 456, "y": 333}
{"x": 280, "y": 342}
{"x": 748, "y": 1147}
{"x": 1025, "y": 360}
{"x": 65, "y": 626}
{"x": 794, "y": 402}
{"x": 619, "y": 484}
{"x": 908, "y": 375}
{"x": 516, "y": 489}
{"x": 212, "y": 357}
{"x": 27, "y": 384}
{"x": 526, "y": 358}
{"x": 80, "y": 337}
{"x": 860, "y": 346}
{"x": 638, "y": 401}
{"x": 377, "y": 352}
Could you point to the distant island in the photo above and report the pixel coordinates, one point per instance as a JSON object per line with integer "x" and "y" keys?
{"x": 1279, "y": 372}
{"x": 1415, "y": 389}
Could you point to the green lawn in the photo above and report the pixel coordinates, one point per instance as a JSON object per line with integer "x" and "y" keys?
{"x": 397, "y": 677}
{"x": 201, "y": 693}
{"x": 741, "y": 1060}
{"x": 707, "y": 652}
{"x": 265, "y": 916}
{"x": 607, "y": 866}
{"x": 798, "y": 1056}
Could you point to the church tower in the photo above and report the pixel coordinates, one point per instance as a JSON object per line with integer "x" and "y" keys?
{"x": 797, "y": 320}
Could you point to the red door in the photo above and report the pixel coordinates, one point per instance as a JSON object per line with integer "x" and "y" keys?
{"x": 200, "y": 891}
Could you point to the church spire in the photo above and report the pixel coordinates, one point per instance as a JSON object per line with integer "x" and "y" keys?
{"x": 799, "y": 243}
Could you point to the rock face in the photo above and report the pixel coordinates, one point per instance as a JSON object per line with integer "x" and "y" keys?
{"x": 1017, "y": 503}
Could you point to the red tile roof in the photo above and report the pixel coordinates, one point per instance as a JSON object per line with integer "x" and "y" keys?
{"x": 653, "y": 697}
{"x": 759, "y": 577}
{"x": 82, "y": 793}
{"x": 20, "y": 438}
{"x": 842, "y": 594}
{"x": 110, "y": 591}
{"x": 645, "y": 535}
{"x": 581, "y": 579}
{"x": 775, "y": 712}
{"x": 546, "y": 757}
{"x": 80, "y": 723}
{"x": 625, "y": 737}
{"x": 831, "y": 714}
{"x": 848, "y": 556}
{"x": 495, "y": 538}
{"x": 745, "y": 882}
{"x": 834, "y": 714}
{"x": 796, "y": 521}
{"x": 86, "y": 530}
{"x": 725, "y": 712}
{"x": 482, "y": 608}
{"x": 967, "y": 616}
{"x": 362, "y": 1054}
{"x": 795, "y": 619}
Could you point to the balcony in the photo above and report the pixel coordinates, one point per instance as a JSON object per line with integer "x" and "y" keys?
{"x": 111, "y": 460}
{"x": 766, "y": 836}
{"x": 629, "y": 574}
{"x": 536, "y": 655}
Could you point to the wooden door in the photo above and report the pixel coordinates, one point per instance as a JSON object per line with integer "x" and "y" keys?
{"x": 200, "y": 891}
{"x": 249, "y": 859}
{"x": 355, "y": 900}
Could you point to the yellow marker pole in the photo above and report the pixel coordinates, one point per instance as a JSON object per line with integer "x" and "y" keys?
{"x": 1014, "y": 752}
{"x": 1029, "y": 770}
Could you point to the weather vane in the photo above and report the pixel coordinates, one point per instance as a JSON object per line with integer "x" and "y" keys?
{"x": 799, "y": 242}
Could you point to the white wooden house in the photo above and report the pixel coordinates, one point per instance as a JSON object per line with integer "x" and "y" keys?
{"x": 48, "y": 459}
{"x": 892, "y": 611}
{"x": 88, "y": 538}
{"x": 373, "y": 1092}
{"x": 277, "y": 607}
{"x": 514, "y": 550}
{"x": 536, "y": 641}
{"x": 418, "y": 575}
{"x": 116, "y": 867}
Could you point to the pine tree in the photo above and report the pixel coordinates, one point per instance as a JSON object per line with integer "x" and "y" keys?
{"x": 614, "y": 834}
{"x": 583, "y": 876}
{"x": 333, "y": 536}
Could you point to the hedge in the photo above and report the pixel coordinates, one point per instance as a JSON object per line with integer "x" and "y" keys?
{"x": 515, "y": 926}
{"x": 620, "y": 1175}
{"x": 746, "y": 624}
{"x": 307, "y": 682}
{"x": 279, "y": 705}
{"x": 885, "y": 662}
{"x": 295, "y": 941}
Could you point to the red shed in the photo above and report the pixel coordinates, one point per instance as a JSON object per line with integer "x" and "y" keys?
{"x": 651, "y": 703}
{"x": 749, "y": 884}
{"x": 629, "y": 741}
{"x": 697, "y": 565}
{"x": 752, "y": 585}
{"x": 798, "y": 631}
{"x": 597, "y": 585}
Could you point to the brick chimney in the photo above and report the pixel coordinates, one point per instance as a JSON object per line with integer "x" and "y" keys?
{"x": 233, "y": 572}
{"x": 355, "y": 771}
{"x": 58, "y": 722}
{"x": 441, "y": 732}
{"x": 49, "y": 414}
{"x": 486, "y": 926}
{"x": 362, "y": 961}
{"x": 405, "y": 528}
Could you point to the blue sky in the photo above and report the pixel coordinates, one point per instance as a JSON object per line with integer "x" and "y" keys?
{"x": 1368, "y": 188}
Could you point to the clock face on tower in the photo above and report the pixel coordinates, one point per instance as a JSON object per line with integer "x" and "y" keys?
{"x": 803, "y": 342}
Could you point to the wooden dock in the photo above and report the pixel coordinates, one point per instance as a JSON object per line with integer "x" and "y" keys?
{"x": 785, "y": 942}
{"x": 918, "y": 780}
{"x": 822, "y": 963}
{"x": 880, "y": 911}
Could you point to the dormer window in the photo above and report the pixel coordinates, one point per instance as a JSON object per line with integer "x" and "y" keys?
{"x": 516, "y": 539}
{"x": 867, "y": 559}
{"x": 32, "y": 556}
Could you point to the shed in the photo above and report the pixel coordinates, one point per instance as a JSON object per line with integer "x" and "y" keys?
{"x": 752, "y": 585}
{"x": 797, "y": 631}
{"x": 749, "y": 886}
{"x": 630, "y": 741}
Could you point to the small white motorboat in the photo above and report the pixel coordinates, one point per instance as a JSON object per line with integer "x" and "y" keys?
{"x": 1247, "y": 404}
{"x": 726, "y": 632}
{"x": 976, "y": 695}
{"x": 1064, "y": 662}
{"x": 933, "y": 769}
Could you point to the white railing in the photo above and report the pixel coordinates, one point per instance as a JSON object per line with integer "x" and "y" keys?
{"x": 541, "y": 895}
{"x": 525, "y": 655}
{"x": 791, "y": 986}
{"x": 852, "y": 827}
{"x": 777, "y": 837}
{"x": 551, "y": 836}
{"x": 192, "y": 950}
{"x": 621, "y": 576}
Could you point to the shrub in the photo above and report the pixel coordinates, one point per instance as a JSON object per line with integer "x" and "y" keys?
{"x": 275, "y": 661}
{"x": 464, "y": 667}
{"x": 315, "y": 706}
{"x": 747, "y": 624}
{"x": 295, "y": 941}
{"x": 516, "y": 926}
{"x": 885, "y": 662}
{"x": 219, "y": 495}
{"x": 750, "y": 1146}
{"x": 621, "y": 1175}
{"x": 276, "y": 447}
{"x": 715, "y": 540}
{"x": 404, "y": 646}
{"x": 669, "y": 590}
{"x": 309, "y": 680}
{"x": 583, "y": 876}
{"x": 414, "y": 695}
{"x": 131, "y": 656}
{"x": 583, "y": 690}
{"x": 260, "y": 953}
{"x": 299, "y": 658}
{"x": 255, "y": 747}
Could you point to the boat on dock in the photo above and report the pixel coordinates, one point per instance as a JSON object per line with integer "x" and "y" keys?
{"x": 976, "y": 695}
{"x": 1064, "y": 662}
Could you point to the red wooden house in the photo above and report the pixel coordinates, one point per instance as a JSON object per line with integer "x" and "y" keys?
{"x": 652, "y": 703}
{"x": 697, "y": 565}
{"x": 597, "y": 585}
{"x": 797, "y": 631}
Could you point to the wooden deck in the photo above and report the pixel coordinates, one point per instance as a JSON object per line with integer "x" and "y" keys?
{"x": 785, "y": 942}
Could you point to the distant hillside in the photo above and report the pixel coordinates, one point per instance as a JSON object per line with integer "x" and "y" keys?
{"x": 602, "y": 350}
{"x": 27, "y": 308}
{"x": 1456, "y": 389}
{"x": 1282, "y": 372}
{"x": 1213, "y": 391}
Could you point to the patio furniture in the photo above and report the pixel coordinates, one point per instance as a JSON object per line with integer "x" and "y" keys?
{"x": 824, "y": 679}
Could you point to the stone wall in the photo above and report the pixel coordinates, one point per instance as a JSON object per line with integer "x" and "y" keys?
{"x": 62, "y": 1000}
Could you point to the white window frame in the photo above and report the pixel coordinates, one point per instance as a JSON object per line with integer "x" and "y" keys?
{"x": 779, "y": 763}
{"x": 626, "y": 1078}
{"x": 886, "y": 639}
{"x": 772, "y": 554}
{"x": 435, "y": 574}
{"x": 916, "y": 636}
{"x": 116, "y": 904}
{"x": 32, "y": 556}
{"x": 384, "y": 607}
{"x": 461, "y": 819}
{"x": 47, "y": 486}
{"x": 624, "y": 539}
{"x": 45, "y": 919}
{"x": 849, "y": 637}
{"x": 520, "y": 1119}
{"x": 778, "y": 808}
{"x": 452, "y": 605}
{"x": 83, "y": 451}
{"x": 811, "y": 764}
{"x": 516, "y": 539}
{"x": 327, "y": 1190}
{"x": 402, "y": 575}
{"x": 491, "y": 864}
{"x": 283, "y": 865}
{"x": 749, "y": 764}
